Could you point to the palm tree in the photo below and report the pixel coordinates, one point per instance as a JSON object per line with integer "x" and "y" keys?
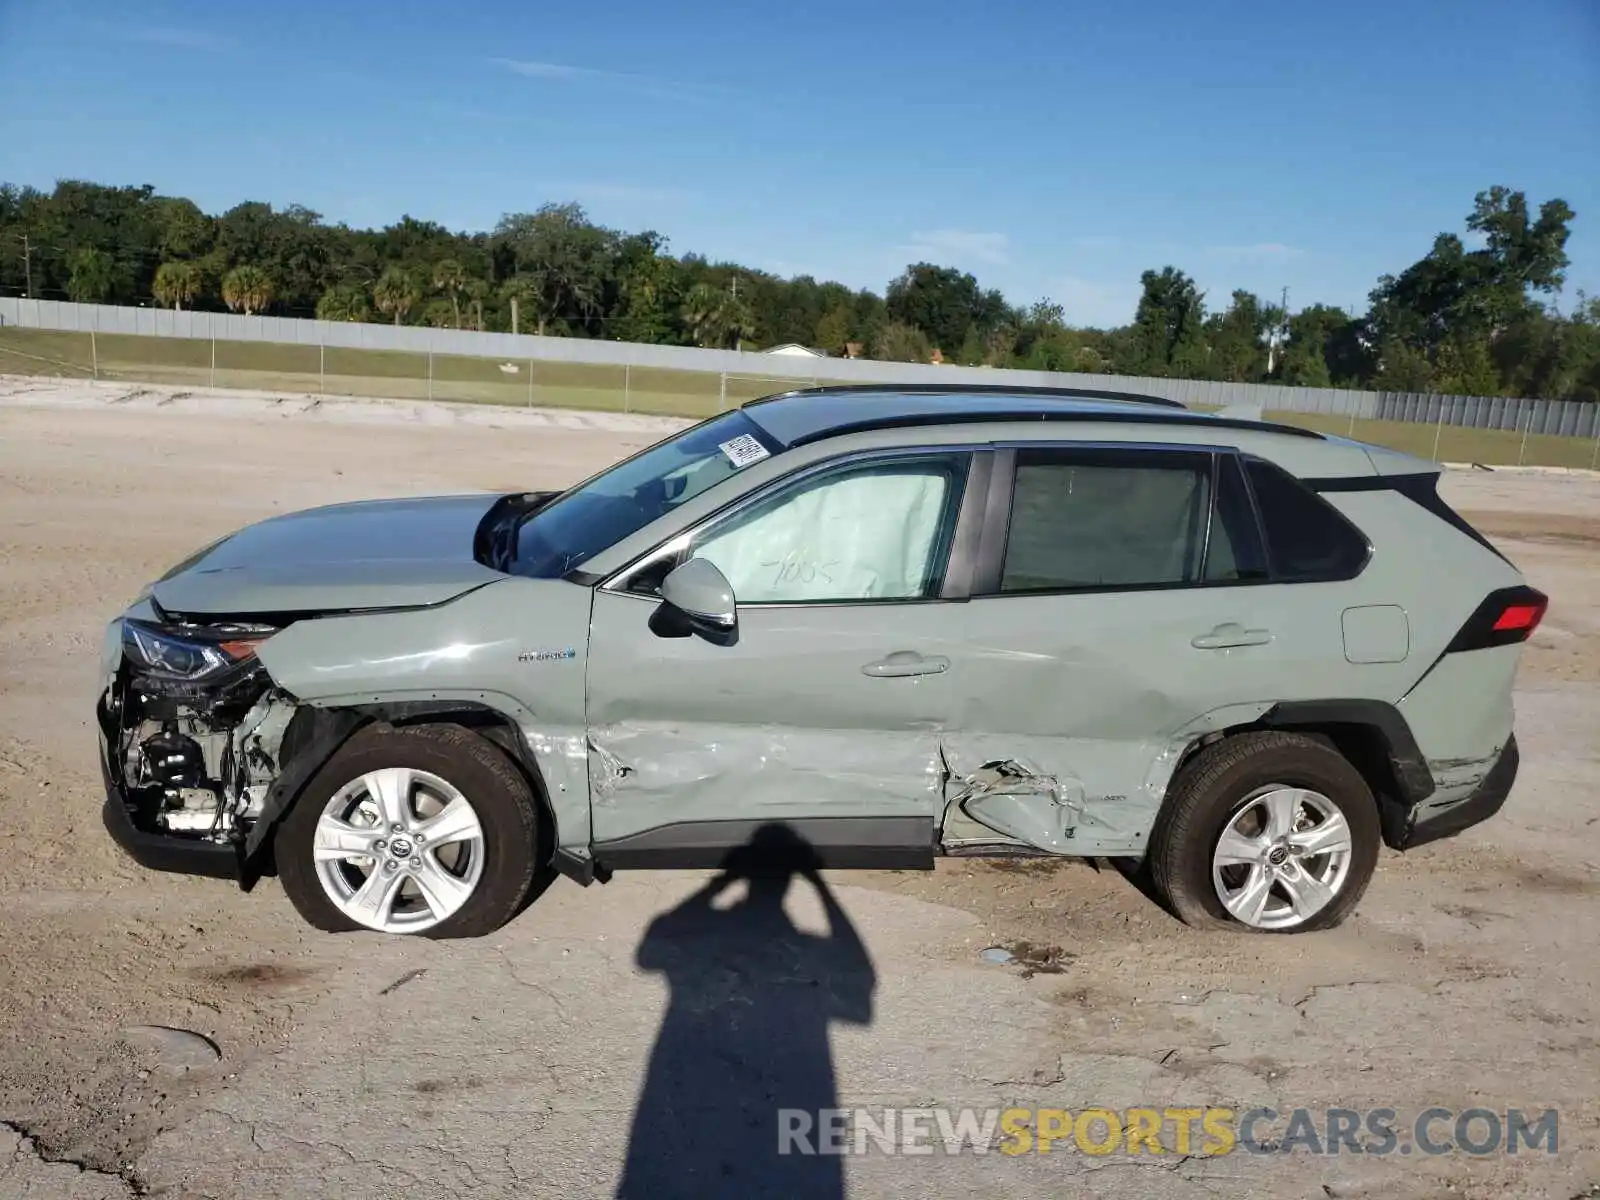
{"x": 477, "y": 292}
{"x": 703, "y": 314}
{"x": 518, "y": 290}
{"x": 439, "y": 315}
{"x": 247, "y": 289}
{"x": 344, "y": 302}
{"x": 738, "y": 319}
{"x": 450, "y": 278}
{"x": 176, "y": 284}
{"x": 93, "y": 276}
{"x": 396, "y": 292}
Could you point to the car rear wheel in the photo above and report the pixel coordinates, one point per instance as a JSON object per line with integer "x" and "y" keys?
{"x": 1270, "y": 832}
{"x": 425, "y": 830}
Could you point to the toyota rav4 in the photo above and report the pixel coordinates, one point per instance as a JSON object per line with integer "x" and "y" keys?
{"x": 899, "y": 622}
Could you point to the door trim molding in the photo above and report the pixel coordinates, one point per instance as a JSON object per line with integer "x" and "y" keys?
{"x": 840, "y": 843}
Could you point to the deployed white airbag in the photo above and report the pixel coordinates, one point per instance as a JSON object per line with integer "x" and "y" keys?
{"x": 865, "y": 536}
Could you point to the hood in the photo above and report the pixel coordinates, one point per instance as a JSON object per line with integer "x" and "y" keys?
{"x": 344, "y": 557}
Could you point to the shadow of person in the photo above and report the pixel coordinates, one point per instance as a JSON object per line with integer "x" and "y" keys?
{"x": 746, "y": 1035}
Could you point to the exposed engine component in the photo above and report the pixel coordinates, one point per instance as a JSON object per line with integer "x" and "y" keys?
{"x": 198, "y": 728}
{"x": 172, "y": 760}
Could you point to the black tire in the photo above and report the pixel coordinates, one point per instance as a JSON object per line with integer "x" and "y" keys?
{"x": 499, "y": 793}
{"x": 1210, "y": 791}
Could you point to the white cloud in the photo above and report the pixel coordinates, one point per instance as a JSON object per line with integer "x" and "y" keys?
{"x": 645, "y": 85}
{"x": 959, "y": 246}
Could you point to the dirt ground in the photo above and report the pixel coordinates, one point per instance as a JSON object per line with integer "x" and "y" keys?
{"x": 363, "y": 1066}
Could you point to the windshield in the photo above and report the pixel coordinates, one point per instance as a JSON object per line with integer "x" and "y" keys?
{"x": 621, "y": 501}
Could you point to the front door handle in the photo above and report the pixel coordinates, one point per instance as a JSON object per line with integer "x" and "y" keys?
{"x": 906, "y": 662}
{"x": 1225, "y": 637}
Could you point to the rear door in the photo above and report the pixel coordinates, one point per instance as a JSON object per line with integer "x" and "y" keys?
{"x": 826, "y": 710}
{"x": 1123, "y": 604}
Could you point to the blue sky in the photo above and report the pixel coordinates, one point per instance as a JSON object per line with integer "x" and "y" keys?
{"x": 1055, "y": 148}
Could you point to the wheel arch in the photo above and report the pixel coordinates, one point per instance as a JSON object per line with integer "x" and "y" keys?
{"x": 1372, "y": 735}
{"x": 315, "y": 733}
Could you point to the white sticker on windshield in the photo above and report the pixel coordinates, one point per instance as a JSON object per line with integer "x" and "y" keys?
{"x": 743, "y": 450}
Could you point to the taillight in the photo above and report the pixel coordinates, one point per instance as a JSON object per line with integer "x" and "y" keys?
{"x": 1505, "y": 617}
{"x": 1523, "y": 617}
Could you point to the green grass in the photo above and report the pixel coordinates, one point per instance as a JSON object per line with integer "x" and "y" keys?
{"x": 277, "y": 366}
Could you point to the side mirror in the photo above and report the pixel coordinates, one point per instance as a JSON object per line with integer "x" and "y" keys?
{"x": 701, "y": 593}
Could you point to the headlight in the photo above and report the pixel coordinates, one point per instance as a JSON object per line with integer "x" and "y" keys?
{"x": 190, "y": 655}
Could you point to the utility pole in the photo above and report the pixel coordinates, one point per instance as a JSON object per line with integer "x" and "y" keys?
{"x": 1278, "y": 334}
{"x": 27, "y": 267}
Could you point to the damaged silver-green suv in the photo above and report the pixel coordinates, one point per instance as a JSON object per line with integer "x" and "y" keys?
{"x": 898, "y": 622}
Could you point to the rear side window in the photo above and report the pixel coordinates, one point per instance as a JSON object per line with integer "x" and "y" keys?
{"x": 1114, "y": 520}
{"x": 1307, "y": 538}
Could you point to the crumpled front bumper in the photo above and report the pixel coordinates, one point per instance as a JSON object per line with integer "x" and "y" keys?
{"x": 157, "y": 851}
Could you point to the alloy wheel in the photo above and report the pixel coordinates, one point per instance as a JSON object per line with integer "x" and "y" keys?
{"x": 399, "y": 850}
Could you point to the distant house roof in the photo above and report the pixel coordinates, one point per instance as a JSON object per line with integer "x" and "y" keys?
{"x": 796, "y": 350}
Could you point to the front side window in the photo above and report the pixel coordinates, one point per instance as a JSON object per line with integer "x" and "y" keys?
{"x": 596, "y": 514}
{"x": 1113, "y": 519}
{"x": 871, "y": 531}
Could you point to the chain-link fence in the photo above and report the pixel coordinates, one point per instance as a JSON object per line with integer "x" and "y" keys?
{"x": 394, "y": 374}
{"x": 321, "y": 358}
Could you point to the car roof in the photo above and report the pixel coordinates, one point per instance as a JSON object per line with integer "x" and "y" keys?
{"x": 811, "y": 414}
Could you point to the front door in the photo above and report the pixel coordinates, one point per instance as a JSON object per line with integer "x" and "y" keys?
{"x": 824, "y": 711}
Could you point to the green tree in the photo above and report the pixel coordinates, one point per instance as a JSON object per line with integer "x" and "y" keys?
{"x": 93, "y": 276}
{"x": 1464, "y": 368}
{"x": 899, "y": 341}
{"x": 569, "y": 260}
{"x": 833, "y": 330}
{"x": 184, "y": 232}
{"x": 646, "y": 291}
{"x": 1237, "y": 339}
{"x": 1167, "y": 337}
{"x": 177, "y": 284}
{"x": 450, "y": 280}
{"x": 438, "y": 314}
{"x": 973, "y": 351}
{"x": 396, "y": 293}
{"x": 344, "y": 302}
{"x": 1456, "y": 304}
{"x": 1402, "y": 368}
{"x": 517, "y": 292}
{"x": 477, "y": 293}
{"x": 944, "y": 303}
{"x": 703, "y": 315}
{"x": 1324, "y": 349}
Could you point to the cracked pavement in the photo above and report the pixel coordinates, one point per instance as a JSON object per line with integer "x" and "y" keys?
{"x": 365, "y": 1067}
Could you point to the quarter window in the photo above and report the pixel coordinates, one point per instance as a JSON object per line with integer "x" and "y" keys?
{"x": 1307, "y": 538}
{"x": 873, "y": 531}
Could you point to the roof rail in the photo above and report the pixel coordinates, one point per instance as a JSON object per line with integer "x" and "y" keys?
{"x": 978, "y": 389}
{"x": 1157, "y": 414}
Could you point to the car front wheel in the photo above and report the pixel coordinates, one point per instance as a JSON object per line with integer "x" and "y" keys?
{"x": 1271, "y": 832}
{"x": 422, "y": 830}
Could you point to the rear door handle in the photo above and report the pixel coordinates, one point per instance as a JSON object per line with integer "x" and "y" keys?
{"x": 1225, "y": 637}
{"x": 906, "y": 662}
